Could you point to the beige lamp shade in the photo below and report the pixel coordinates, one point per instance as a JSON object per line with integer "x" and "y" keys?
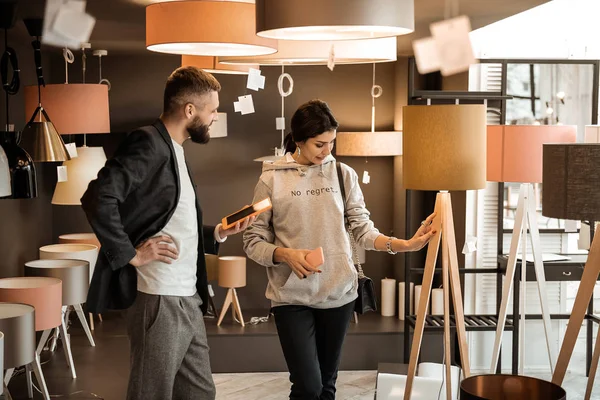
{"x": 292, "y": 52}
{"x": 81, "y": 170}
{"x": 44, "y": 294}
{"x": 571, "y": 176}
{"x": 333, "y": 19}
{"x": 232, "y": 272}
{"x": 212, "y": 266}
{"x": 17, "y": 323}
{"x": 74, "y": 108}
{"x": 74, "y": 274}
{"x": 208, "y": 28}
{"x": 368, "y": 144}
{"x": 84, "y": 252}
{"x": 444, "y": 147}
{"x": 592, "y": 134}
{"x": 212, "y": 65}
{"x": 79, "y": 238}
{"x": 514, "y": 152}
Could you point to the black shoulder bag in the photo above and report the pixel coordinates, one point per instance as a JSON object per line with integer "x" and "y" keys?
{"x": 366, "y": 301}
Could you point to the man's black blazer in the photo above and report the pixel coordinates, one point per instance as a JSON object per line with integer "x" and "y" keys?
{"x": 132, "y": 199}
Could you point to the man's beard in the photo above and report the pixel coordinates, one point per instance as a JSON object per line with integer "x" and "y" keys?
{"x": 198, "y": 131}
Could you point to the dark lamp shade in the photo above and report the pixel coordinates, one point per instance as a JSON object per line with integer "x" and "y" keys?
{"x": 444, "y": 147}
{"x": 571, "y": 174}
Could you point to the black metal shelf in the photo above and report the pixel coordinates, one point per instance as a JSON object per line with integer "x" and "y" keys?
{"x": 460, "y": 270}
{"x": 481, "y": 323}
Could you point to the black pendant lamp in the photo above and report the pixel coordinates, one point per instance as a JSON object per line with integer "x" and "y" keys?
{"x": 21, "y": 166}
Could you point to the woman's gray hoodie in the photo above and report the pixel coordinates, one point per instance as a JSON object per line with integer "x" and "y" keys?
{"x": 308, "y": 212}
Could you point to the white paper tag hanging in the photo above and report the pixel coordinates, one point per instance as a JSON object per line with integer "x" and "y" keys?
{"x": 572, "y": 225}
{"x": 61, "y": 172}
{"x": 584, "y": 237}
{"x": 280, "y": 123}
{"x": 331, "y": 60}
{"x": 453, "y": 44}
{"x": 470, "y": 245}
{"x": 245, "y": 105}
{"x": 66, "y": 24}
{"x": 426, "y": 55}
{"x": 72, "y": 149}
{"x": 366, "y": 178}
{"x": 255, "y": 80}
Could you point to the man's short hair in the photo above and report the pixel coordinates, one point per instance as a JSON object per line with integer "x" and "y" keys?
{"x": 185, "y": 84}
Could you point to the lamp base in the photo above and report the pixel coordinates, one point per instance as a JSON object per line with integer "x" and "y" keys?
{"x": 232, "y": 300}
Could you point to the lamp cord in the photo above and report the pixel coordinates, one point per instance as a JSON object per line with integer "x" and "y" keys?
{"x": 9, "y": 55}
{"x": 69, "y": 59}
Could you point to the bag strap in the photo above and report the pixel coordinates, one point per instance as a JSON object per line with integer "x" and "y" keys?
{"x": 361, "y": 274}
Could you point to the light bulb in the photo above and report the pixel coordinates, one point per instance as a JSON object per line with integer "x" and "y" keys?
{"x": 537, "y": 123}
{"x": 560, "y": 95}
{"x": 549, "y": 110}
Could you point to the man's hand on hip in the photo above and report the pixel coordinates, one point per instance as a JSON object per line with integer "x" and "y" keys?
{"x": 160, "y": 248}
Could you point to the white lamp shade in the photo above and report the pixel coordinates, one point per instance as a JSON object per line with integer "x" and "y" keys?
{"x": 295, "y": 52}
{"x": 5, "y": 185}
{"x": 218, "y": 129}
{"x": 81, "y": 170}
{"x": 368, "y": 144}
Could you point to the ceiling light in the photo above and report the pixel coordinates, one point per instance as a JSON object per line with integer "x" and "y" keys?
{"x": 334, "y": 19}
{"x": 292, "y": 52}
{"x": 209, "y": 28}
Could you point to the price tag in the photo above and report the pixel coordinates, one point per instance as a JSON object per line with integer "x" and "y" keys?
{"x": 61, "y": 172}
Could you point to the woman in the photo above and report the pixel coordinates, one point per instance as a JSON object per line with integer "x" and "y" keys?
{"x": 313, "y": 306}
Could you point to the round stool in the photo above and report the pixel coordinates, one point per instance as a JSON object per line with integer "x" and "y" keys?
{"x": 84, "y": 252}
{"x": 232, "y": 275}
{"x": 514, "y": 387}
{"x": 79, "y": 238}
{"x": 17, "y": 323}
{"x": 74, "y": 275}
{"x": 45, "y": 296}
{"x": 82, "y": 238}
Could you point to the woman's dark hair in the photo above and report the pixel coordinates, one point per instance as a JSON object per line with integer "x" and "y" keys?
{"x": 310, "y": 119}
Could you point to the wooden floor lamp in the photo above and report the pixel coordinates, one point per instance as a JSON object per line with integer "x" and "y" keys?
{"x": 444, "y": 149}
{"x": 514, "y": 154}
{"x": 574, "y": 170}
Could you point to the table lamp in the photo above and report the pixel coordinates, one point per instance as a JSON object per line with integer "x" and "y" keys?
{"x": 514, "y": 154}
{"x": 232, "y": 275}
{"x": 444, "y": 149}
{"x": 574, "y": 194}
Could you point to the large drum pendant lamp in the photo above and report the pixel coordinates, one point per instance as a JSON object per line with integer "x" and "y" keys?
{"x": 334, "y": 19}
{"x": 208, "y": 28}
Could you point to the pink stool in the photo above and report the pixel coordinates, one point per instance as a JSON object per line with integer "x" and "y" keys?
{"x": 17, "y": 323}
{"x": 45, "y": 295}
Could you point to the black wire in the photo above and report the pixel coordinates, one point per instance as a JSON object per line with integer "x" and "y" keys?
{"x": 9, "y": 55}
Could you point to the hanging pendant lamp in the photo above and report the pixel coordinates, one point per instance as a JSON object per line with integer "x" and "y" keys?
{"x": 299, "y": 52}
{"x": 203, "y": 27}
{"x": 212, "y": 65}
{"x": 47, "y": 143}
{"x": 334, "y": 19}
{"x": 5, "y": 185}
{"x": 22, "y": 168}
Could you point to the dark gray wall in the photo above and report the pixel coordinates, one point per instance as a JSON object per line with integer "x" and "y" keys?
{"x": 223, "y": 169}
{"x": 25, "y": 225}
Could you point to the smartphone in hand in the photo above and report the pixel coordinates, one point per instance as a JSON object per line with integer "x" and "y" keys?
{"x": 316, "y": 258}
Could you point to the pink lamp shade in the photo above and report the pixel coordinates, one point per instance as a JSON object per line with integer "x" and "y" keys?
{"x": 79, "y": 238}
{"x": 232, "y": 272}
{"x": 74, "y": 275}
{"x": 514, "y": 152}
{"x": 17, "y": 323}
{"x": 43, "y": 294}
{"x": 73, "y": 108}
{"x": 85, "y": 252}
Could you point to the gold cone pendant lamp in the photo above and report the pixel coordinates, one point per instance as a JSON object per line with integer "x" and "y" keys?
{"x": 48, "y": 146}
